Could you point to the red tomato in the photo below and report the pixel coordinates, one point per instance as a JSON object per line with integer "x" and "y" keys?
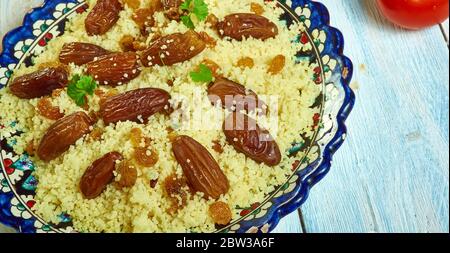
{"x": 414, "y": 14}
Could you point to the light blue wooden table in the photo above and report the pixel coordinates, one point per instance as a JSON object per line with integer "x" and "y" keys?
{"x": 392, "y": 173}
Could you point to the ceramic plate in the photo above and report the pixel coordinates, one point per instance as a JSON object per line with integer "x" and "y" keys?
{"x": 333, "y": 72}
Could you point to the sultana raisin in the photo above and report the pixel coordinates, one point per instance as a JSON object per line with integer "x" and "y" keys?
{"x": 217, "y": 146}
{"x": 277, "y": 64}
{"x": 145, "y": 157}
{"x": 212, "y": 65}
{"x": 220, "y": 212}
{"x": 245, "y": 62}
{"x": 96, "y": 134}
{"x": 175, "y": 191}
{"x": 127, "y": 43}
{"x": 127, "y": 174}
{"x": 49, "y": 111}
{"x": 133, "y": 4}
{"x": 209, "y": 41}
{"x": 257, "y": 8}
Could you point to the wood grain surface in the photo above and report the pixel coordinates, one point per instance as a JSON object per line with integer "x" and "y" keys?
{"x": 392, "y": 173}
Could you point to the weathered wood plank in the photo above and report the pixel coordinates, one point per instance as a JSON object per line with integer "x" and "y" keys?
{"x": 445, "y": 29}
{"x": 11, "y": 15}
{"x": 289, "y": 224}
{"x": 392, "y": 174}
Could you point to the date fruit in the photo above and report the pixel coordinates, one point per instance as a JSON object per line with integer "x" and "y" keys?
{"x": 201, "y": 170}
{"x": 40, "y": 83}
{"x": 172, "y": 49}
{"x": 172, "y": 9}
{"x": 80, "y": 53}
{"x": 136, "y": 105}
{"x": 62, "y": 134}
{"x": 102, "y": 17}
{"x": 99, "y": 175}
{"x": 115, "y": 69}
{"x": 244, "y": 25}
{"x": 244, "y": 134}
{"x": 234, "y": 96}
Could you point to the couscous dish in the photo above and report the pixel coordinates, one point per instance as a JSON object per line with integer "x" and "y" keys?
{"x": 162, "y": 115}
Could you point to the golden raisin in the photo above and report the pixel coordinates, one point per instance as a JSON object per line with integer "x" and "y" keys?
{"x": 276, "y": 65}
{"x": 133, "y": 4}
{"x": 172, "y": 136}
{"x": 112, "y": 92}
{"x": 213, "y": 66}
{"x": 53, "y": 64}
{"x": 246, "y": 62}
{"x": 209, "y": 41}
{"x": 96, "y": 134}
{"x": 256, "y": 8}
{"x": 99, "y": 92}
{"x": 94, "y": 116}
{"x": 175, "y": 191}
{"x": 144, "y": 19}
{"x": 220, "y": 212}
{"x": 104, "y": 96}
{"x": 127, "y": 43}
{"x": 57, "y": 92}
{"x": 145, "y": 157}
{"x": 139, "y": 46}
{"x": 217, "y": 147}
{"x": 46, "y": 109}
{"x": 30, "y": 148}
{"x": 127, "y": 175}
{"x": 136, "y": 136}
{"x": 138, "y": 139}
{"x": 212, "y": 20}
{"x": 85, "y": 106}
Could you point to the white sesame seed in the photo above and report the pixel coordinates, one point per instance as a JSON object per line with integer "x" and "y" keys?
{"x": 125, "y": 75}
{"x": 115, "y": 64}
{"x": 188, "y": 161}
{"x": 134, "y": 71}
{"x": 149, "y": 58}
{"x": 105, "y": 82}
{"x": 235, "y": 139}
{"x": 119, "y": 83}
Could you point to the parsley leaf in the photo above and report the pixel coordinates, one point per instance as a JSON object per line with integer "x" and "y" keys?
{"x": 203, "y": 75}
{"x": 187, "y": 21}
{"x": 197, "y": 8}
{"x": 185, "y": 5}
{"x": 79, "y": 87}
{"x": 200, "y": 9}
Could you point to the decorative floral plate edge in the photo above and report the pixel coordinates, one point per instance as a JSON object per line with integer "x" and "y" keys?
{"x": 307, "y": 177}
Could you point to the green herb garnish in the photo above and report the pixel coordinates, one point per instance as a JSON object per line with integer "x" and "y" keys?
{"x": 196, "y": 9}
{"x": 203, "y": 75}
{"x": 79, "y": 87}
